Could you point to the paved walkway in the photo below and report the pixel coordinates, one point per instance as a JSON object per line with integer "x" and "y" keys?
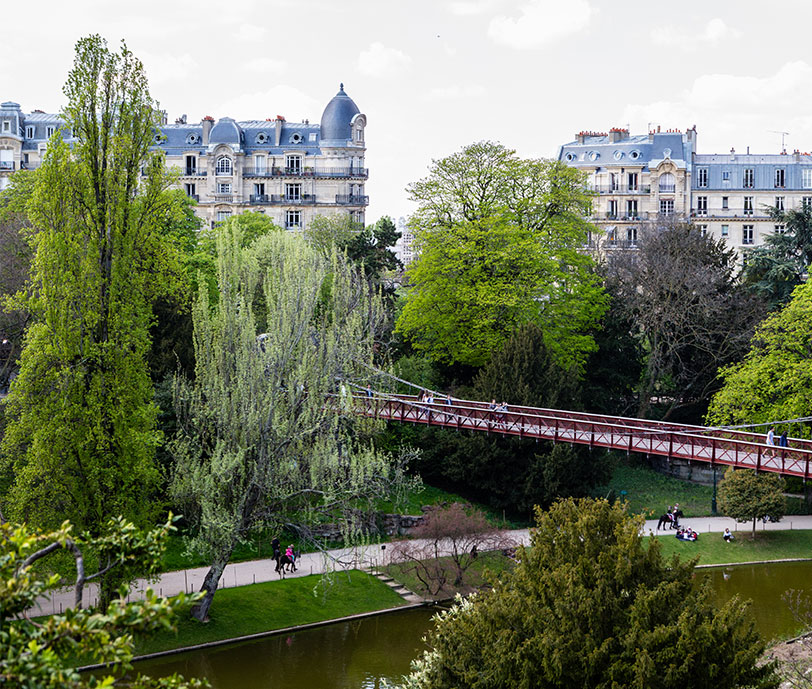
{"x": 372, "y": 556}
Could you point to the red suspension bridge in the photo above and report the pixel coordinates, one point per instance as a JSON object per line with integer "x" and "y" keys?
{"x": 715, "y": 446}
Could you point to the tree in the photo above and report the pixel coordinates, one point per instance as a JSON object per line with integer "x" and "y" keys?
{"x": 746, "y": 495}
{"x": 515, "y": 474}
{"x": 776, "y": 268}
{"x": 265, "y": 434}
{"x": 774, "y": 381}
{"x": 43, "y": 654}
{"x": 688, "y": 311}
{"x": 15, "y": 265}
{"x": 499, "y": 243}
{"x": 446, "y": 543}
{"x": 589, "y": 605}
{"x": 81, "y": 435}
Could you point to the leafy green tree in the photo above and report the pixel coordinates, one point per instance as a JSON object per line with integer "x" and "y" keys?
{"x": 745, "y": 495}
{"x": 515, "y": 474}
{"x": 589, "y": 605}
{"x": 688, "y": 311}
{"x": 81, "y": 435}
{"x": 15, "y": 265}
{"x": 42, "y": 654}
{"x": 774, "y": 381}
{"x": 776, "y": 268}
{"x": 264, "y": 428}
{"x": 499, "y": 240}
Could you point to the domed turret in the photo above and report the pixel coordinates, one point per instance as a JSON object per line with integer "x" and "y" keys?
{"x": 337, "y": 117}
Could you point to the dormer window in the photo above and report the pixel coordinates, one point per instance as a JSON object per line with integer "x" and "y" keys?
{"x": 193, "y": 138}
{"x": 296, "y": 138}
{"x": 223, "y": 165}
{"x": 262, "y": 138}
{"x": 49, "y": 131}
{"x": 6, "y": 126}
{"x": 29, "y": 132}
{"x": 359, "y": 134}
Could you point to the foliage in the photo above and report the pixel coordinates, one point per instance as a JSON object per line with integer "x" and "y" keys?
{"x": 454, "y": 533}
{"x": 688, "y": 312}
{"x": 509, "y": 473}
{"x": 81, "y": 433}
{"x": 499, "y": 241}
{"x": 15, "y": 265}
{"x": 263, "y": 438}
{"x": 746, "y": 495}
{"x": 776, "y": 268}
{"x": 40, "y": 654}
{"x": 775, "y": 379}
{"x": 589, "y": 606}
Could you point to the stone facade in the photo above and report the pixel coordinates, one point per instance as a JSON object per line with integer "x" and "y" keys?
{"x": 289, "y": 171}
{"x": 639, "y": 178}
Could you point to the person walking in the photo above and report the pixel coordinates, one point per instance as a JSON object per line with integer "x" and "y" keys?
{"x": 771, "y": 441}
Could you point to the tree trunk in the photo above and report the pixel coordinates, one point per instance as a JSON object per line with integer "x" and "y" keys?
{"x": 753, "y": 536}
{"x": 200, "y": 610}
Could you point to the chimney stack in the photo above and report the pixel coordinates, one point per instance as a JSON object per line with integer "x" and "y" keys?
{"x": 279, "y": 121}
{"x": 208, "y": 123}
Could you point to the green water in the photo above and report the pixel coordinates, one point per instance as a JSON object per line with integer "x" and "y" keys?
{"x": 347, "y": 655}
{"x": 366, "y": 653}
{"x": 765, "y": 586}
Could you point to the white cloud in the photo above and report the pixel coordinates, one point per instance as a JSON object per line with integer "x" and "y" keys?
{"x": 470, "y": 7}
{"x": 737, "y": 110}
{"x": 540, "y": 22}
{"x": 288, "y": 101}
{"x": 265, "y": 65}
{"x": 165, "y": 67}
{"x": 249, "y": 33}
{"x": 715, "y": 32}
{"x": 379, "y": 61}
{"x": 455, "y": 92}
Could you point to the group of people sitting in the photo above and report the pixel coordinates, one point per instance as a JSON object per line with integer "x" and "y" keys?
{"x": 687, "y": 534}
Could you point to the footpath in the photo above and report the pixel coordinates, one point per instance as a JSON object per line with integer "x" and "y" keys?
{"x": 368, "y": 557}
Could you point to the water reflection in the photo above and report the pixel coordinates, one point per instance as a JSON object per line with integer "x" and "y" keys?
{"x": 350, "y": 655}
{"x": 765, "y": 586}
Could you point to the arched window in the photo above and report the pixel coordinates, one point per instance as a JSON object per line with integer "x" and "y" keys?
{"x": 667, "y": 182}
{"x": 224, "y": 165}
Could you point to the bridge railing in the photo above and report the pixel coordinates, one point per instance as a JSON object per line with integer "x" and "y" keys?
{"x": 632, "y": 435}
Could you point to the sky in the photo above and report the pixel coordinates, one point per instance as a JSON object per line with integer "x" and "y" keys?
{"x": 434, "y": 75}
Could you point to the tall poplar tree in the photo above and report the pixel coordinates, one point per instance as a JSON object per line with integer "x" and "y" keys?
{"x": 265, "y": 426}
{"x": 81, "y": 437}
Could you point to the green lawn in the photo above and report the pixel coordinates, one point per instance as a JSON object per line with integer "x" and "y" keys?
{"x": 275, "y": 605}
{"x": 650, "y": 493}
{"x": 768, "y": 545}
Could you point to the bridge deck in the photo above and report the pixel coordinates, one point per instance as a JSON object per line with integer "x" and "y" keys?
{"x": 696, "y": 443}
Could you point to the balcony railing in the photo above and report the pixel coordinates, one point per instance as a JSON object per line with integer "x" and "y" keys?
{"x": 196, "y": 197}
{"x": 638, "y": 215}
{"x": 259, "y": 199}
{"x": 622, "y": 243}
{"x": 6, "y": 165}
{"x": 29, "y": 166}
{"x": 293, "y": 226}
{"x": 224, "y": 198}
{"x": 338, "y": 172}
{"x": 351, "y": 200}
{"x": 667, "y": 188}
{"x": 622, "y": 189}
{"x": 194, "y": 172}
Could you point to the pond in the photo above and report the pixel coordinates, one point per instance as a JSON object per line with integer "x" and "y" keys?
{"x": 366, "y": 653}
{"x": 348, "y": 655}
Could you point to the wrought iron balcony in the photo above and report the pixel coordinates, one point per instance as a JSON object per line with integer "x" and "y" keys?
{"x": 622, "y": 188}
{"x": 337, "y": 172}
{"x": 351, "y": 200}
{"x": 194, "y": 172}
{"x": 224, "y": 198}
{"x": 667, "y": 188}
{"x": 6, "y": 165}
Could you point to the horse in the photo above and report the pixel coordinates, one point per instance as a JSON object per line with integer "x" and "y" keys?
{"x": 670, "y": 519}
{"x": 284, "y": 561}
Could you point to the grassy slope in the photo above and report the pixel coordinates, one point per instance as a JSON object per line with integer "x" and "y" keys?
{"x": 275, "y": 605}
{"x": 768, "y": 545}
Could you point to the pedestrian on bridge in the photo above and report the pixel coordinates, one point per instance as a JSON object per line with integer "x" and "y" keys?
{"x": 771, "y": 441}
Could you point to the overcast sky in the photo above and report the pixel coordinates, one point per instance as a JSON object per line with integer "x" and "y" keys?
{"x": 434, "y": 75}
